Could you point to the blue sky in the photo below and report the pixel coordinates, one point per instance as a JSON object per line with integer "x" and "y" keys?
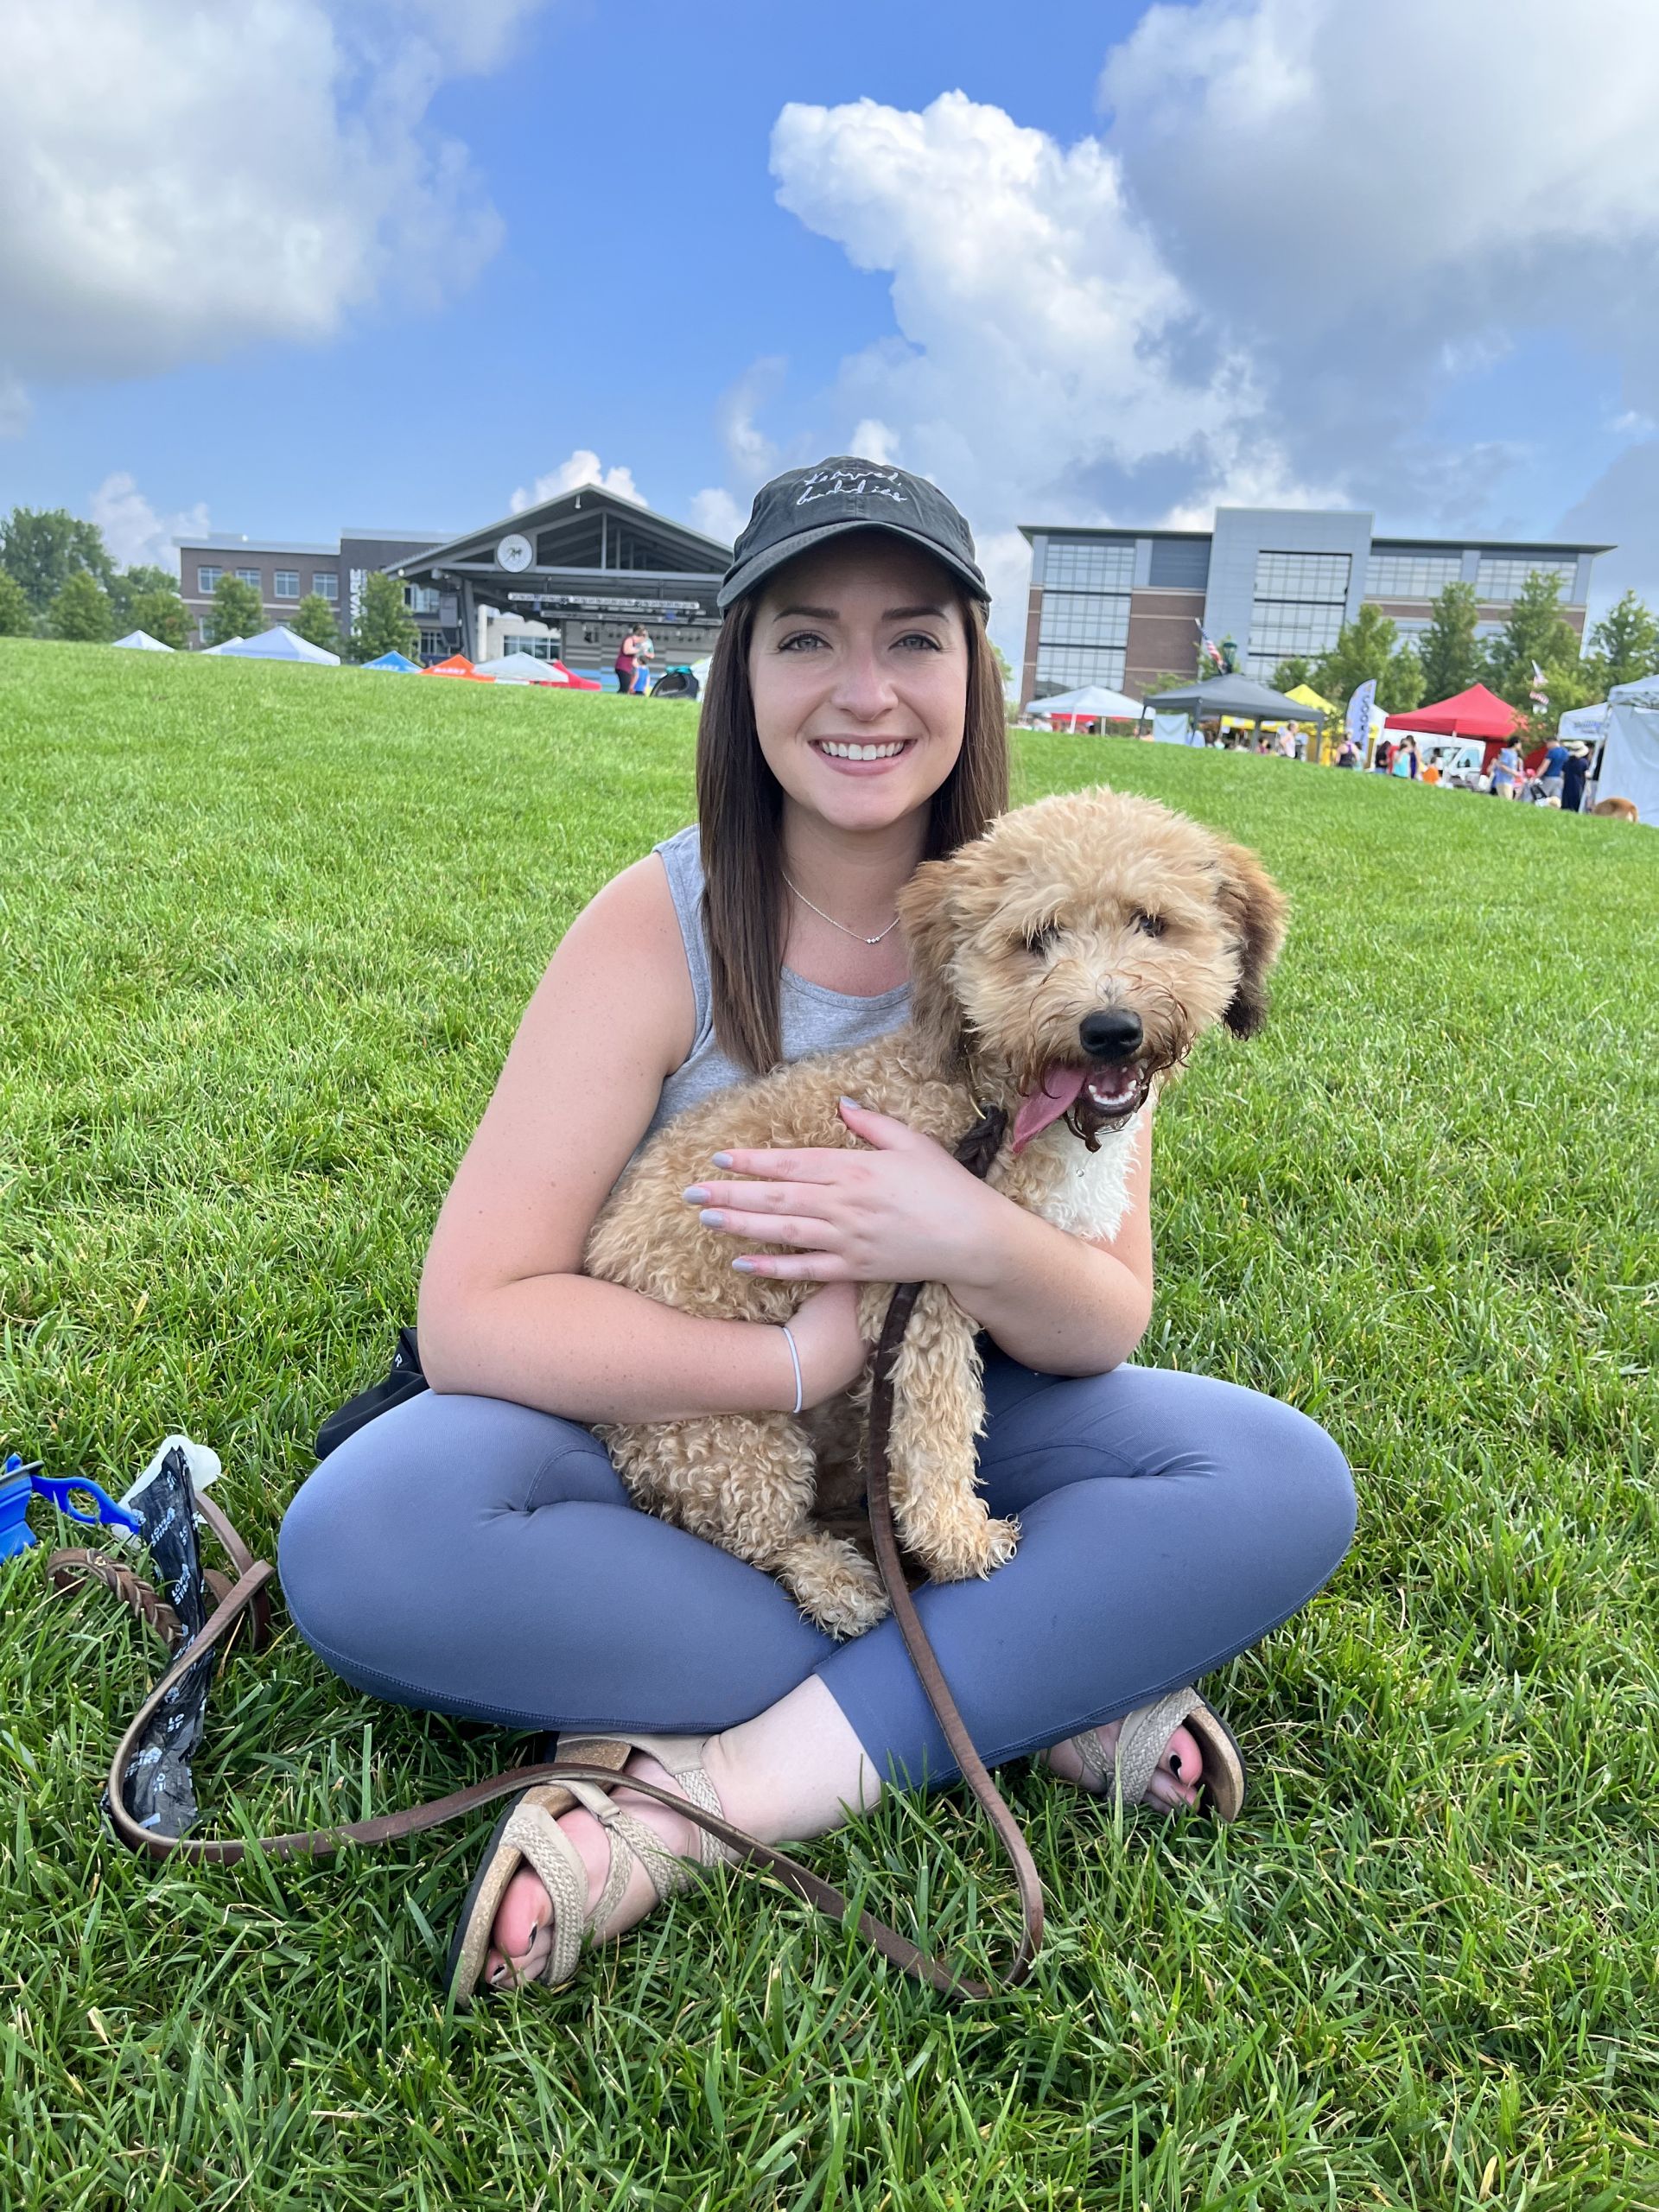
{"x": 1100, "y": 262}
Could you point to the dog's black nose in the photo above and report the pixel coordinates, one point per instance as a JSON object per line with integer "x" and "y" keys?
{"x": 1114, "y": 1035}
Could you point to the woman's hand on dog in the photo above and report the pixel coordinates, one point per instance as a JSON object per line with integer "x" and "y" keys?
{"x": 903, "y": 1211}
{"x": 831, "y": 1352}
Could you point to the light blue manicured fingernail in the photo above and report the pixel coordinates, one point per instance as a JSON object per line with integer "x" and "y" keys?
{"x": 722, "y": 1159}
{"x": 711, "y": 1217}
{"x": 696, "y": 1196}
{"x": 857, "y": 1105}
{"x": 745, "y": 1266}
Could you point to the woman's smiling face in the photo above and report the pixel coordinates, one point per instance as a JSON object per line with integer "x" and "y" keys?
{"x": 858, "y": 667}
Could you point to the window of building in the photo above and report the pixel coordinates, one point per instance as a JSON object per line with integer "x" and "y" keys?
{"x": 327, "y": 586}
{"x": 1088, "y": 565}
{"x": 249, "y": 576}
{"x": 1085, "y": 619}
{"x": 421, "y": 599}
{"x": 1502, "y": 576}
{"x": 1302, "y": 575}
{"x": 1064, "y": 668}
{"x": 285, "y": 583}
{"x": 207, "y": 579}
{"x": 537, "y": 648}
{"x": 435, "y": 646}
{"x": 1300, "y": 602}
{"x": 1180, "y": 565}
{"x": 1410, "y": 576}
{"x": 1280, "y": 627}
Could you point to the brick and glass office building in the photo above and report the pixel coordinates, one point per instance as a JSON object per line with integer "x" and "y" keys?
{"x": 566, "y": 579}
{"x": 1124, "y": 606}
{"x": 283, "y": 574}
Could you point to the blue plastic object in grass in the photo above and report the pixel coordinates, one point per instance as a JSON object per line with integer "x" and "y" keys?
{"x": 19, "y": 1483}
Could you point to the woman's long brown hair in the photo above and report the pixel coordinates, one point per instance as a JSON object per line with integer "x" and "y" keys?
{"x": 739, "y": 811}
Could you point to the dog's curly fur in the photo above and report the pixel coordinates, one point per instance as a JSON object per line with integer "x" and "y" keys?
{"x": 1092, "y": 901}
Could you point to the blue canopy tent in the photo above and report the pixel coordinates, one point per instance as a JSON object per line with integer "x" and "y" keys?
{"x": 400, "y": 662}
{"x": 279, "y": 643}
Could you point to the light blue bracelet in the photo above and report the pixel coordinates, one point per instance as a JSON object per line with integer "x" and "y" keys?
{"x": 796, "y": 1357}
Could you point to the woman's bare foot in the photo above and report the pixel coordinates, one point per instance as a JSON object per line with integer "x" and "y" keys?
{"x": 523, "y": 1934}
{"x": 790, "y": 1773}
{"x": 1174, "y": 1783}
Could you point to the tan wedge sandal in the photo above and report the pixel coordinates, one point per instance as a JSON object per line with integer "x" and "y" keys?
{"x": 1140, "y": 1745}
{"x": 528, "y": 1833}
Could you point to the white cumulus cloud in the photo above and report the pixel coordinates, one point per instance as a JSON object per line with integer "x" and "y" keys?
{"x": 874, "y": 440}
{"x": 1384, "y": 200}
{"x": 134, "y": 531}
{"x": 1301, "y": 224}
{"x": 717, "y": 514}
{"x": 179, "y": 178}
{"x": 581, "y": 468}
{"x": 720, "y": 510}
{"x": 1048, "y": 363}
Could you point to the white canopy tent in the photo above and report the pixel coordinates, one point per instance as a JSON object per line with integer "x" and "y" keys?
{"x": 521, "y": 668}
{"x": 1094, "y": 703}
{"x": 1629, "y": 752}
{"x": 207, "y": 651}
{"x": 140, "y": 641}
{"x": 278, "y": 642}
{"x": 1585, "y": 725}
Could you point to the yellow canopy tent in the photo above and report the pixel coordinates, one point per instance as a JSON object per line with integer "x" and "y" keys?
{"x": 1305, "y": 695}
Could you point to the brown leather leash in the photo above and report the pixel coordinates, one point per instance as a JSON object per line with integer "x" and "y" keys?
{"x": 246, "y": 1598}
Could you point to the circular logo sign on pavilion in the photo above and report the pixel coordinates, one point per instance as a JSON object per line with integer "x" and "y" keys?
{"x": 515, "y": 553}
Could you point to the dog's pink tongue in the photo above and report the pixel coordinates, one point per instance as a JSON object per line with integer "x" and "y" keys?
{"x": 1061, "y": 1087}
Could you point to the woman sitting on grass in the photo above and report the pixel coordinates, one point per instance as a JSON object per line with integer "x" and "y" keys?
{"x": 472, "y": 1550}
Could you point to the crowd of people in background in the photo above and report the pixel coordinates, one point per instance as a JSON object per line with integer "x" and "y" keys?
{"x": 1558, "y": 780}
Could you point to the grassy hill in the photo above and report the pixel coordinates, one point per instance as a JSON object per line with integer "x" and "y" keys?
{"x": 266, "y": 935}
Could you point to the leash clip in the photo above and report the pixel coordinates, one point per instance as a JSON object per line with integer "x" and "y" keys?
{"x": 20, "y": 1482}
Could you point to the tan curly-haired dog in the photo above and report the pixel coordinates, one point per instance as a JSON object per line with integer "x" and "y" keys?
{"x": 1063, "y": 966}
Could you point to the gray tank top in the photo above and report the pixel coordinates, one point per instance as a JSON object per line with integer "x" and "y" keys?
{"x": 814, "y": 1020}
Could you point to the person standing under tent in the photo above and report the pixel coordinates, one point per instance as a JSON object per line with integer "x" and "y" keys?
{"x": 1575, "y": 769}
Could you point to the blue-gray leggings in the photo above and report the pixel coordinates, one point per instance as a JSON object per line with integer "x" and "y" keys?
{"x": 477, "y": 1557}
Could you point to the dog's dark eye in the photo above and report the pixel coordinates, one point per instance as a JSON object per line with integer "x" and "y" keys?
{"x": 1043, "y": 940}
{"x": 1150, "y": 925}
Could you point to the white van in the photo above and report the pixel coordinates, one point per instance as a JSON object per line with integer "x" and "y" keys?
{"x": 1458, "y": 758}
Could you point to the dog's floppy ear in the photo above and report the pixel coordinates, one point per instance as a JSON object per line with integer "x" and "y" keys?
{"x": 928, "y": 916}
{"x": 1254, "y": 909}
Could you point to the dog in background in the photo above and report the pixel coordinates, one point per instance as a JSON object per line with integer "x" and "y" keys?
{"x": 1063, "y": 966}
{"x": 1621, "y": 810}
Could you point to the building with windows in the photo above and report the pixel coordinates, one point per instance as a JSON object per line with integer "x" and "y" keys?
{"x": 563, "y": 581}
{"x": 567, "y": 579}
{"x": 283, "y": 574}
{"x": 1126, "y": 607}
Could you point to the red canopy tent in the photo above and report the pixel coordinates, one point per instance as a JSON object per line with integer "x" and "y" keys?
{"x": 558, "y": 673}
{"x": 457, "y": 664}
{"x": 1474, "y": 713}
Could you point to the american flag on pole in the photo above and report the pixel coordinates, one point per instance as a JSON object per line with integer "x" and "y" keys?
{"x": 1540, "y": 687}
{"x": 1209, "y": 645}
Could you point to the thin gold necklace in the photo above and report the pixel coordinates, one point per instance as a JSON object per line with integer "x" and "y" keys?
{"x": 841, "y": 927}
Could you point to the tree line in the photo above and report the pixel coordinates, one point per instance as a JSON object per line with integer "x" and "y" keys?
{"x": 1448, "y": 657}
{"x": 58, "y": 579}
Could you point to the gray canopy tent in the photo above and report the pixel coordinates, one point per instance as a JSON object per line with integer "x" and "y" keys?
{"x": 1238, "y": 696}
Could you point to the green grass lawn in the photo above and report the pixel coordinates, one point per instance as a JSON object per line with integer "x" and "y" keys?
{"x": 266, "y": 934}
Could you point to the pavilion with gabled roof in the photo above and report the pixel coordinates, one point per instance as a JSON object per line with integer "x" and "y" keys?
{"x": 590, "y": 565}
